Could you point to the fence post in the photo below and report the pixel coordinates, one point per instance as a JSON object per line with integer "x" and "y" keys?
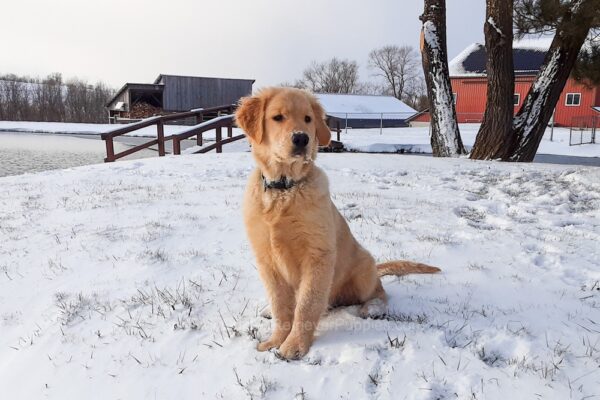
{"x": 337, "y": 126}
{"x": 176, "y": 146}
{"x": 110, "y": 150}
{"x": 219, "y": 147}
{"x": 229, "y": 131}
{"x": 381, "y": 124}
{"x": 160, "y": 130}
{"x": 199, "y": 135}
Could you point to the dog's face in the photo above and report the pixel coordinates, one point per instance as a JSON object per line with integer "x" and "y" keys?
{"x": 284, "y": 125}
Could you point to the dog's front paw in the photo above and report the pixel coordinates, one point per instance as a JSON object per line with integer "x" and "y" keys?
{"x": 294, "y": 348}
{"x": 274, "y": 342}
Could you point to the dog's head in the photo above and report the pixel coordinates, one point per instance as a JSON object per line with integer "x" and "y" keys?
{"x": 285, "y": 126}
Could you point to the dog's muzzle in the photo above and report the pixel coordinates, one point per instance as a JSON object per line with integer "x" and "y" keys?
{"x": 300, "y": 141}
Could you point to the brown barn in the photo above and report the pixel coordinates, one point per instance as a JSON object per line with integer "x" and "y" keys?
{"x": 174, "y": 93}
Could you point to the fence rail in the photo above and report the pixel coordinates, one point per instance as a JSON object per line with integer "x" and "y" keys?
{"x": 583, "y": 130}
{"x": 201, "y": 127}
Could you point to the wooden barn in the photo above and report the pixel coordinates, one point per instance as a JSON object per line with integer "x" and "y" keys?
{"x": 174, "y": 93}
{"x": 469, "y": 85}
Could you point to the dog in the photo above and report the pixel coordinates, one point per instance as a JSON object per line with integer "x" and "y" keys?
{"x": 306, "y": 255}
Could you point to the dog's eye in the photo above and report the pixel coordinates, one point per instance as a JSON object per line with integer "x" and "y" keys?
{"x": 307, "y": 119}
{"x": 278, "y": 118}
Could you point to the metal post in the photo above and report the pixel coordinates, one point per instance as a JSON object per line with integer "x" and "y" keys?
{"x": 346, "y": 132}
{"x": 381, "y": 125}
{"x": 552, "y": 126}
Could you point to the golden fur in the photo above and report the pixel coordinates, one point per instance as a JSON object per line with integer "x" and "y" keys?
{"x": 306, "y": 255}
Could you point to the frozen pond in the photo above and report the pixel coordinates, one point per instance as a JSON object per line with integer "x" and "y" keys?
{"x": 23, "y": 152}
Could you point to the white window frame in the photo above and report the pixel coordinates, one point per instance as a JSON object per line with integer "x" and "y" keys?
{"x": 573, "y": 103}
{"x": 518, "y": 99}
{"x": 454, "y": 97}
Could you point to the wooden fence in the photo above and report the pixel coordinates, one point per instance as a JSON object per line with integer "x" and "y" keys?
{"x": 217, "y": 122}
{"x": 159, "y": 121}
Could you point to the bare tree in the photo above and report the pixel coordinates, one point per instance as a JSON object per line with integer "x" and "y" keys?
{"x": 445, "y": 136}
{"x": 50, "y": 99}
{"x": 333, "y": 76}
{"x": 496, "y": 128}
{"x": 397, "y": 66}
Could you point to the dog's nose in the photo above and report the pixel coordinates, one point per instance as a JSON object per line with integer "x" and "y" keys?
{"x": 300, "y": 140}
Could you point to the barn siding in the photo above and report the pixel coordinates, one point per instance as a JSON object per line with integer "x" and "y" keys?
{"x": 185, "y": 93}
{"x": 472, "y": 97}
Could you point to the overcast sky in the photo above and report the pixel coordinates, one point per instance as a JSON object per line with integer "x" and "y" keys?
{"x": 270, "y": 41}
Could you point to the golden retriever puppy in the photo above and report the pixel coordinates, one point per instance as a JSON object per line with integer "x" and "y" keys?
{"x": 306, "y": 255}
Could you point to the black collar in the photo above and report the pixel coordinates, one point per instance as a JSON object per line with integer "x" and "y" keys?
{"x": 282, "y": 183}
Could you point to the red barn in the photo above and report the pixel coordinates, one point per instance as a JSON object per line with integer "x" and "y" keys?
{"x": 469, "y": 84}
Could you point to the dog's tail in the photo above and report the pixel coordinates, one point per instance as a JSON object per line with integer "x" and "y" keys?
{"x": 402, "y": 267}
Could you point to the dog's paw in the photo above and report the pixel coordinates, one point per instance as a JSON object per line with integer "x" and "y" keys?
{"x": 293, "y": 349}
{"x": 266, "y": 313}
{"x": 375, "y": 308}
{"x": 272, "y": 343}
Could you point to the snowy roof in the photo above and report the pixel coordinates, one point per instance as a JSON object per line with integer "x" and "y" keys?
{"x": 364, "y": 106}
{"x": 528, "y": 56}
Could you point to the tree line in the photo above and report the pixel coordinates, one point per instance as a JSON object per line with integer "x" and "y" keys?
{"x": 395, "y": 68}
{"x": 503, "y": 135}
{"x": 51, "y": 99}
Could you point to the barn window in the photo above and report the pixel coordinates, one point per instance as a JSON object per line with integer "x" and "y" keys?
{"x": 454, "y": 97}
{"x": 573, "y": 99}
{"x": 516, "y": 99}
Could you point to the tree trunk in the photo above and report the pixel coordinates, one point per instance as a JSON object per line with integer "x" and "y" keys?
{"x": 530, "y": 123}
{"x": 445, "y": 136}
{"x": 496, "y": 129}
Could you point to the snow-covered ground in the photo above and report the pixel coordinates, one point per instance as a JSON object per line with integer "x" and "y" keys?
{"x": 391, "y": 140}
{"x": 135, "y": 280}
{"x": 416, "y": 140}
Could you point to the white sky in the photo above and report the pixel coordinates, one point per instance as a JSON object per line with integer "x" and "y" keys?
{"x": 270, "y": 41}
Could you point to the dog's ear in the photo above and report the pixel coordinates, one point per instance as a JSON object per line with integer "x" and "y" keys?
{"x": 323, "y": 132}
{"x": 250, "y": 117}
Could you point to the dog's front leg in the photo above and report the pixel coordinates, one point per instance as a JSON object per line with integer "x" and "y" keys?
{"x": 312, "y": 301}
{"x": 281, "y": 298}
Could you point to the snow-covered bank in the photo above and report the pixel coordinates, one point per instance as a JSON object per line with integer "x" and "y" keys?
{"x": 392, "y": 140}
{"x": 134, "y": 280}
{"x": 416, "y": 140}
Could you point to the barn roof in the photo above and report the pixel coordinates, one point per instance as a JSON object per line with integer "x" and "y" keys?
{"x": 159, "y": 78}
{"x": 359, "y": 106}
{"x": 528, "y": 56}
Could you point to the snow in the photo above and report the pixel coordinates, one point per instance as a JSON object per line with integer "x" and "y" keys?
{"x": 80, "y": 128}
{"x": 493, "y": 24}
{"x": 455, "y": 66}
{"x": 364, "y": 106}
{"x": 135, "y": 280}
{"x": 416, "y": 140}
{"x": 392, "y": 140}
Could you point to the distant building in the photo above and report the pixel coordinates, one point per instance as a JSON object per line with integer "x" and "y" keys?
{"x": 468, "y": 76}
{"x": 173, "y": 93}
{"x": 366, "y": 111}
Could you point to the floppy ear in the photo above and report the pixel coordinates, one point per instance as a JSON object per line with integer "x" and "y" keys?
{"x": 250, "y": 115}
{"x": 323, "y": 132}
